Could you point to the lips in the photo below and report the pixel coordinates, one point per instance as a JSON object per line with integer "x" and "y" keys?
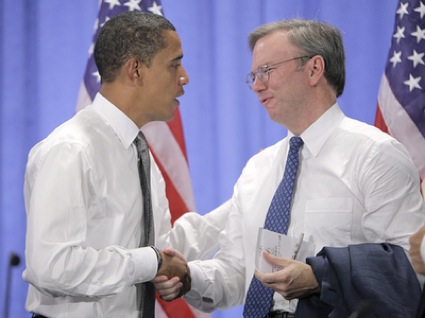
{"x": 177, "y": 96}
{"x": 181, "y": 93}
{"x": 264, "y": 100}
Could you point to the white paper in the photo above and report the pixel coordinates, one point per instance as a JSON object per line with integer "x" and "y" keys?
{"x": 280, "y": 245}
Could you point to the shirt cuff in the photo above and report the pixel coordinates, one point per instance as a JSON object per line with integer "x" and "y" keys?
{"x": 194, "y": 296}
{"x": 145, "y": 263}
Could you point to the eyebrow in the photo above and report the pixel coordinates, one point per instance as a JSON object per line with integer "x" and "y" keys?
{"x": 177, "y": 58}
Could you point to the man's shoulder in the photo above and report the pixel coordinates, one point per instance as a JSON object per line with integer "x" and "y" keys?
{"x": 77, "y": 132}
{"x": 361, "y": 132}
{"x": 372, "y": 144}
{"x": 269, "y": 152}
{"x": 362, "y": 128}
{"x": 266, "y": 158}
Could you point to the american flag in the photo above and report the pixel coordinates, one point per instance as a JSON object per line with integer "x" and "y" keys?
{"x": 401, "y": 99}
{"x": 166, "y": 140}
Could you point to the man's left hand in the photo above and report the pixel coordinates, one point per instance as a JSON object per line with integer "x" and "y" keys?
{"x": 295, "y": 279}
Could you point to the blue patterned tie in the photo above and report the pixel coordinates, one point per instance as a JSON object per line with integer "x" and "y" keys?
{"x": 259, "y": 298}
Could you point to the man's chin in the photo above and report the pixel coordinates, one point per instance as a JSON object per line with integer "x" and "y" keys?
{"x": 171, "y": 116}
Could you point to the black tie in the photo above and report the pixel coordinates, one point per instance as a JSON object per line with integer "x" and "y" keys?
{"x": 146, "y": 291}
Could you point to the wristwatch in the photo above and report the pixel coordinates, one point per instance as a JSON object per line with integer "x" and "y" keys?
{"x": 158, "y": 256}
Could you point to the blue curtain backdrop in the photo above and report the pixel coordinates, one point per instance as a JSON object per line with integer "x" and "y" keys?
{"x": 43, "y": 53}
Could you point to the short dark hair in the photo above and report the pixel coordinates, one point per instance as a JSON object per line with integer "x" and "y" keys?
{"x": 126, "y": 35}
{"x": 312, "y": 38}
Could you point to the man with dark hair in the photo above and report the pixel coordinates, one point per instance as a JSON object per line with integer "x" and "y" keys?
{"x": 95, "y": 229}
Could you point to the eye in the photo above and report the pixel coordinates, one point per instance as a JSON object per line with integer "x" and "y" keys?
{"x": 263, "y": 70}
{"x": 176, "y": 65}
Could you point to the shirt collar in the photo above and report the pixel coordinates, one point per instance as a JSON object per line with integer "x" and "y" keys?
{"x": 123, "y": 126}
{"x": 317, "y": 134}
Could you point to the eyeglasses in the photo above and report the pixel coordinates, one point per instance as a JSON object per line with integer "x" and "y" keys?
{"x": 263, "y": 72}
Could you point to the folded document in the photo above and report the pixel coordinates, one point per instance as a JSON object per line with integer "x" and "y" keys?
{"x": 280, "y": 245}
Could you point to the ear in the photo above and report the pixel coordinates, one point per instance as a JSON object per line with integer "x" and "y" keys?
{"x": 316, "y": 69}
{"x": 133, "y": 70}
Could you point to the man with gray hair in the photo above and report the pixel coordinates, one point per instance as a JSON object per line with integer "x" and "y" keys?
{"x": 345, "y": 186}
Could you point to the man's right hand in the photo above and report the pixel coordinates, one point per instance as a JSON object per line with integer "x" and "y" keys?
{"x": 173, "y": 278}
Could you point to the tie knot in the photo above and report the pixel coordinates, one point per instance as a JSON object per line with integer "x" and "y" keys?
{"x": 140, "y": 141}
{"x": 296, "y": 142}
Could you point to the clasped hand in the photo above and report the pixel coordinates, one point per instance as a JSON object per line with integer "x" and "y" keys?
{"x": 294, "y": 280}
{"x": 173, "y": 278}
{"x": 415, "y": 251}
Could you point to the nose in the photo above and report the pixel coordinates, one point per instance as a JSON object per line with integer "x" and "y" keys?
{"x": 184, "y": 78}
{"x": 258, "y": 85}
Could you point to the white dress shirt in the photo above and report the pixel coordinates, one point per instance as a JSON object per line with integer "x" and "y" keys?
{"x": 356, "y": 184}
{"x": 196, "y": 235}
{"x": 84, "y": 212}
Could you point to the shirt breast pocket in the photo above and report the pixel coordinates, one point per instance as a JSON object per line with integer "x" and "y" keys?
{"x": 329, "y": 220}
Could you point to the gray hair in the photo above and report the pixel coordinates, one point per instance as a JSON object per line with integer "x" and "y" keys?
{"x": 312, "y": 38}
{"x": 126, "y": 35}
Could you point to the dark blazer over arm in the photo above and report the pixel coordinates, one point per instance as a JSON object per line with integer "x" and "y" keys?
{"x": 377, "y": 279}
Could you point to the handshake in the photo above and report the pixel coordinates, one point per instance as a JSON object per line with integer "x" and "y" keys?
{"x": 173, "y": 277}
